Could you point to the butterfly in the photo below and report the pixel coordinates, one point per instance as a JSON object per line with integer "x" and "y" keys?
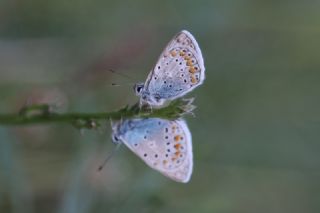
{"x": 164, "y": 145}
{"x": 180, "y": 69}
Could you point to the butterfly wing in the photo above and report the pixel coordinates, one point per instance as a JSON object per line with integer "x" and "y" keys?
{"x": 180, "y": 68}
{"x": 164, "y": 145}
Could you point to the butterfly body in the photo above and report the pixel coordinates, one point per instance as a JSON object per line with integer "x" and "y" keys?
{"x": 180, "y": 69}
{"x": 164, "y": 145}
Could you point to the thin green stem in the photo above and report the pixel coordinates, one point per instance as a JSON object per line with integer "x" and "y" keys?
{"x": 40, "y": 114}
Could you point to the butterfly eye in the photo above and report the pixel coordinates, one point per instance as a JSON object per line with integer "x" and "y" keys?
{"x": 138, "y": 88}
{"x": 115, "y": 139}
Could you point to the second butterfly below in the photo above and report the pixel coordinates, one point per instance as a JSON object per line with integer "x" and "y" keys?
{"x": 164, "y": 145}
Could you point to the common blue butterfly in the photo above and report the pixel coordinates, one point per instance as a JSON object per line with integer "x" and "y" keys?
{"x": 180, "y": 69}
{"x": 164, "y": 145}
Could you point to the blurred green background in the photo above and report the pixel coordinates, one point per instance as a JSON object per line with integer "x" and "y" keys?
{"x": 257, "y": 126}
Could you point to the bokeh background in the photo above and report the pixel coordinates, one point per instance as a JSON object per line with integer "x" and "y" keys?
{"x": 257, "y": 126}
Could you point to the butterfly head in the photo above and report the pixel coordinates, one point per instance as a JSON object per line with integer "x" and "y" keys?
{"x": 115, "y": 138}
{"x": 146, "y": 97}
{"x": 116, "y": 133}
{"x": 138, "y": 88}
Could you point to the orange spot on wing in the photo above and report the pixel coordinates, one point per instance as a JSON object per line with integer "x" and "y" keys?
{"x": 189, "y": 62}
{"x": 164, "y": 162}
{"x": 177, "y": 138}
{"x": 193, "y": 79}
{"x": 182, "y": 53}
{"x": 177, "y": 154}
{"x": 173, "y": 53}
{"x": 192, "y": 70}
{"x": 186, "y": 58}
{"x": 177, "y": 146}
{"x": 173, "y": 159}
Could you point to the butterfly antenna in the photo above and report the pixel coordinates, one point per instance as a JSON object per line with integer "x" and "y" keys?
{"x": 113, "y": 84}
{"x": 121, "y": 74}
{"x": 118, "y": 85}
{"x": 109, "y": 157}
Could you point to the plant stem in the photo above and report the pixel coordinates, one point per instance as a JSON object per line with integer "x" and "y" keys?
{"x": 40, "y": 114}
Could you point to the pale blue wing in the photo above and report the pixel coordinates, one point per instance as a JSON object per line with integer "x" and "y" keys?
{"x": 164, "y": 145}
